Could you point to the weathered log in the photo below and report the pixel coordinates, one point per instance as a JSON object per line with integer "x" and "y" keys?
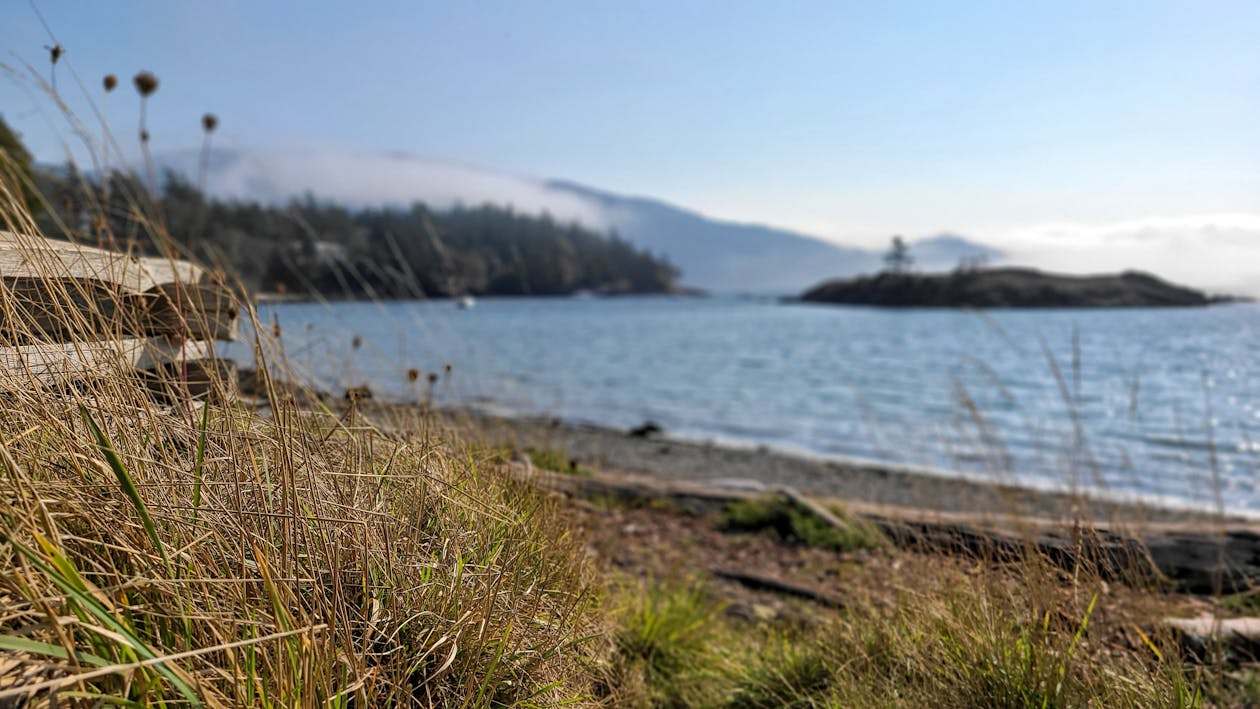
{"x": 56, "y": 363}
{"x": 33, "y": 257}
{"x": 59, "y": 291}
{"x": 795, "y": 497}
{"x": 202, "y": 311}
{"x": 1199, "y": 636}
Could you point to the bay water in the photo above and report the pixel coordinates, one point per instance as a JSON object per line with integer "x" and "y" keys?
{"x": 1162, "y": 404}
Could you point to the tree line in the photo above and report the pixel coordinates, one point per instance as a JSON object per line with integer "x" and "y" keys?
{"x": 310, "y": 247}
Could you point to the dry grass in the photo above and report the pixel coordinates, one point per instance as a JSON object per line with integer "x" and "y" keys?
{"x": 173, "y": 550}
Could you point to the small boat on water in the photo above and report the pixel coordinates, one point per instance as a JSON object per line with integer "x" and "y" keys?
{"x": 465, "y": 302}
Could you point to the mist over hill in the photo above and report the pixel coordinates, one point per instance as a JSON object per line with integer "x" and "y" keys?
{"x": 730, "y": 256}
{"x": 713, "y": 254}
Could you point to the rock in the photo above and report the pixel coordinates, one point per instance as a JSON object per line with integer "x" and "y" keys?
{"x": 646, "y": 430}
{"x": 1006, "y": 288}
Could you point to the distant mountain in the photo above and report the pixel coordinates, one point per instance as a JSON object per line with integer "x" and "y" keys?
{"x": 732, "y": 257}
{"x": 713, "y": 254}
{"x": 719, "y": 255}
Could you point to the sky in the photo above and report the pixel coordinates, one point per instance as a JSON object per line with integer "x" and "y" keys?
{"x": 1007, "y": 122}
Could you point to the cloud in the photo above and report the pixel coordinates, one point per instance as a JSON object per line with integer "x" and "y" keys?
{"x": 1219, "y": 252}
{"x": 362, "y": 179}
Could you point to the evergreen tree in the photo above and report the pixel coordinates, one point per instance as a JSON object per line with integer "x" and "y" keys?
{"x": 16, "y": 169}
{"x": 898, "y": 259}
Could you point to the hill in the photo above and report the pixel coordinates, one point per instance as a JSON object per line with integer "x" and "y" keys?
{"x": 309, "y": 247}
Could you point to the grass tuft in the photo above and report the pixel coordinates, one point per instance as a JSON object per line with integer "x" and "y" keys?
{"x": 789, "y": 521}
{"x": 557, "y": 461}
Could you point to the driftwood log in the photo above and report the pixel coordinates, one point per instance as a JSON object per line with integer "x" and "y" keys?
{"x": 763, "y": 582}
{"x": 69, "y": 312}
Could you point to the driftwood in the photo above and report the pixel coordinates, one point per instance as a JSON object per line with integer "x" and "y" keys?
{"x": 57, "y": 291}
{"x": 761, "y": 582}
{"x": 70, "y": 312}
{"x": 37, "y": 258}
{"x": 53, "y": 362}
{"x": 822, "y": 513}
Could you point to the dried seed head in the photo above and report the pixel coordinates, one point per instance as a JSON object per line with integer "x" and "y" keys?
{"x": 209, "y": 122}
{"x": 110, "y": 82}
{"x": 413, "y": 374}
{"x": 357, "y": 342}
{"x": 433, "y": 377}
{"x": 144, "y": 136}
{"x": 146, "y": 83}
{"x": 55, "y": 52}
{"x": 275, "y": 330}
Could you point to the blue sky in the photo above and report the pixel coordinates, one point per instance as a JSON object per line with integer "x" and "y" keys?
{"x": 848, "y": 120}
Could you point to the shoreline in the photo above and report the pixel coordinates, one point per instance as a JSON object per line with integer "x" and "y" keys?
{"x": 747, "y": 467}
{"x": 755, "y": 468}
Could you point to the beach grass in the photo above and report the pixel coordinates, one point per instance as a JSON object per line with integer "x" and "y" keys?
{"x": 201, "y": 551}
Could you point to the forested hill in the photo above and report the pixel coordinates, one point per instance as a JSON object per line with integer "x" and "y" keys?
{"x": 309, "y": 247}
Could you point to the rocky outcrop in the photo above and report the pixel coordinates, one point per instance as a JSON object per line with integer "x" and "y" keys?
{"x": 1006, "y": 288}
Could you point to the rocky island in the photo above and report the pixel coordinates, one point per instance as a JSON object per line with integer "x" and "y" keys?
{"x": 1006, "y": 288}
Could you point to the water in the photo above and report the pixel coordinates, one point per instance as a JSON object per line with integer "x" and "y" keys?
{"x": 1160, "y": 403}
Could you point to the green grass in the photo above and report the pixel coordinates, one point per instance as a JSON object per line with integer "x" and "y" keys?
{"x": 798, "y": 525}
{"x": 664, "y": 640}
{"x": 1245, "y": 603}
{"x": 952, "y": 639}
{"x": 787, "y": 672}
{"x": 558, "y": 461}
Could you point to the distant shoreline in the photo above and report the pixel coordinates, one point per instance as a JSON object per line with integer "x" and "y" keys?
{"x": 271, "y": 297}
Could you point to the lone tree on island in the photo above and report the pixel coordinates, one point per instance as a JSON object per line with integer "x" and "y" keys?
{"x": 898, "y": 259}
